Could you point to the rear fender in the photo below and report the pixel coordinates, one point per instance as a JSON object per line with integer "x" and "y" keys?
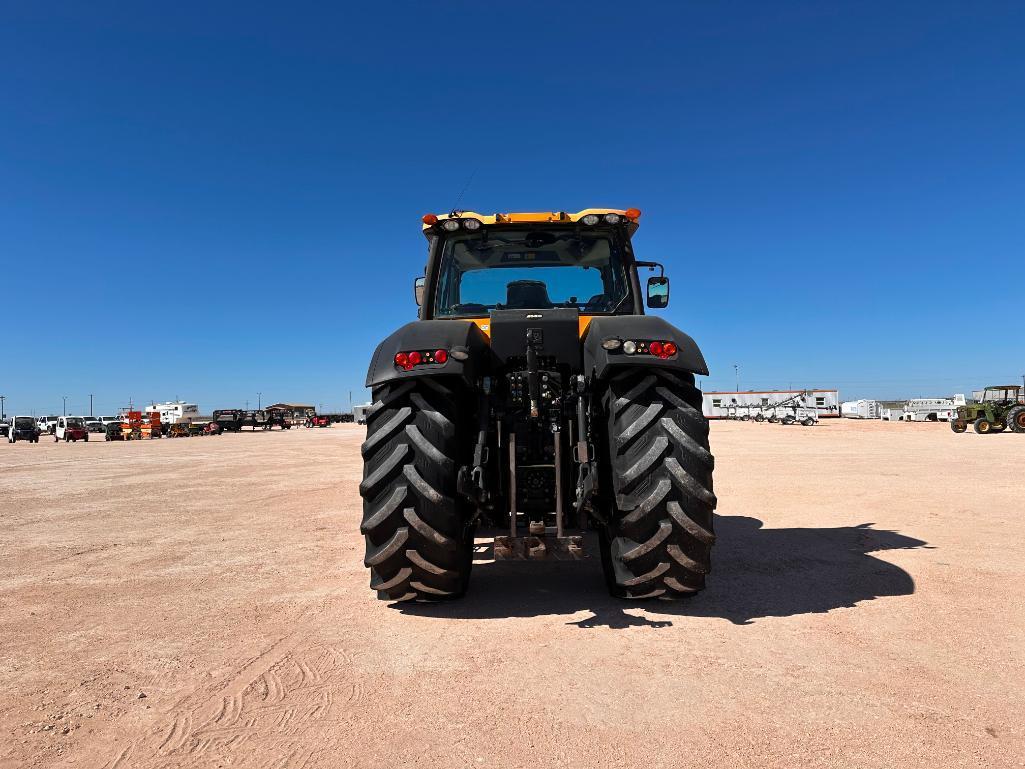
{"x": 451, "y": 335}
{"x": 601, "y": 362}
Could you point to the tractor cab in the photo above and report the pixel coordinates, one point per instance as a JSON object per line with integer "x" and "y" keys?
{"x": 1002, "y": 394}
{"x": 582, "y": 262}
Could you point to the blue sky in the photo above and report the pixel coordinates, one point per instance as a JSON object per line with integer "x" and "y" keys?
{"x": 210, "y": 200}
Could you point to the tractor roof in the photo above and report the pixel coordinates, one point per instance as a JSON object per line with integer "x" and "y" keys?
{"x": 632, "y": 215}
{"x": 1003, "y": 387}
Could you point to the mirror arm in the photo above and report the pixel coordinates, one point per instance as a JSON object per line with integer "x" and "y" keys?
{"x": 652, "y": 266}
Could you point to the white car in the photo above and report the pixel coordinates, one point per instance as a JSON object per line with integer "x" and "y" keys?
{"x": 70, "y": 429}
{"x": 93, "y": 424}
{"x": 107, "y": 420}
{"x": 47, "y": 424}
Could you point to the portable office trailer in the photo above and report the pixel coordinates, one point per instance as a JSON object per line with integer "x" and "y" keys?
{"x": 719, "y": 405}
{"x": 860, "y": 409}
{"x": 928, "y": 409}
{"x": 173, "y": 412}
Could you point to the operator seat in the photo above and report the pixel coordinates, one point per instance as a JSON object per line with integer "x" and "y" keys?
{"x": 527, "y": 295}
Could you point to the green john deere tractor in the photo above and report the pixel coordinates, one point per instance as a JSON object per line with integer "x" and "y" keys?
{"x": 1001, "y": 407}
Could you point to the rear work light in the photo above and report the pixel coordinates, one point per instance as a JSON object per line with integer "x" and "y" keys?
{"x": 407, "y": 359}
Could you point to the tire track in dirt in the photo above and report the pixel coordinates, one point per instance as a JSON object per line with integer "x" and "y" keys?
{"x": 271, "y": 701}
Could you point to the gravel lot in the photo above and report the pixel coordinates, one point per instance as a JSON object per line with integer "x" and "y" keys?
{"x": 202, "y": 602}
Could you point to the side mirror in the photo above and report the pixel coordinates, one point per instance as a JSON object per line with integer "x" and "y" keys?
{"x": 658, "y": 292}
{"x": 418, "y": 290}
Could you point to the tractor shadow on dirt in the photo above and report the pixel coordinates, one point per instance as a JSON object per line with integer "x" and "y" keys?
{"x": 756, "y": 572}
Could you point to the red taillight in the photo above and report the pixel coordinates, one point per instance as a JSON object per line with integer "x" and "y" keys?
{"x": 406, "y": 360}
{"x": 669, "y": 349}
{"x": 656, "y": 348}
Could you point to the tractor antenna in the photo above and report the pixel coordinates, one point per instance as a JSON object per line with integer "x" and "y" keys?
{"x": 459, "y": 199}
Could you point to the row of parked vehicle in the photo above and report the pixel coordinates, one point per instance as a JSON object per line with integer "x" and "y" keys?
{"x": 66, "y": 428}
{"x": 137, "y": 424}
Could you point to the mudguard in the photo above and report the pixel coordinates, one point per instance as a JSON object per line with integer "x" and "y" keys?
{"x": 600, "y": 362}
{"x": 448, "y": 335}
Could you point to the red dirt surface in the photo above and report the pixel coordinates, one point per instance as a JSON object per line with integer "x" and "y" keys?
{"x": 202, "y": 603}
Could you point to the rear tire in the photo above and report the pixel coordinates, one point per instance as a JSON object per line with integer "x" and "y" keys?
{"x": 658, "y": 542}
{"x": 1016, "y": 419}
{"x": 418, "y": 529}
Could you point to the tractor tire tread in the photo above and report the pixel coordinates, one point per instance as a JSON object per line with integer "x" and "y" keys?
{"x": 658, "y": 542}
{"x": 416, "y": 527}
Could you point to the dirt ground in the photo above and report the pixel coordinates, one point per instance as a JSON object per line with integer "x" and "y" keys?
{"x": 202, "y": 603}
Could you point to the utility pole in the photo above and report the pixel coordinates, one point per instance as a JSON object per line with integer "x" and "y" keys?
{"x": 247, "y": 404}
{"x": 90, "y": 404}
{"x": 736, "y": 370}
{"x": 2, "y": 399}
{"x": 350, "y": 397}
{"x": 65, "y": 397}
{"x": 259, "y": 401}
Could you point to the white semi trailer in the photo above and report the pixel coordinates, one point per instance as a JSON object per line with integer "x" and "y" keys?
{"x": 359, "y": 413}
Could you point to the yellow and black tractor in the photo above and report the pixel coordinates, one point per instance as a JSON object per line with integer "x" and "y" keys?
{"x": 534, "y": 395}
